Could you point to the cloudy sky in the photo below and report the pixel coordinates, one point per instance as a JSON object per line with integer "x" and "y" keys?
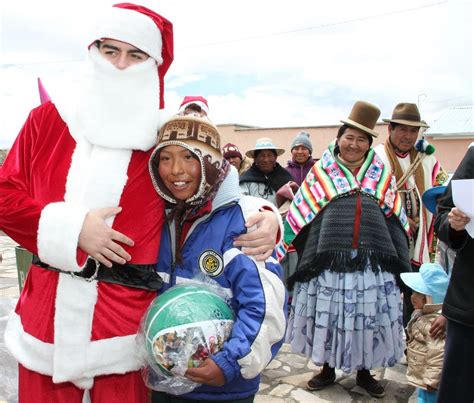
{"x": 264, "y": 63}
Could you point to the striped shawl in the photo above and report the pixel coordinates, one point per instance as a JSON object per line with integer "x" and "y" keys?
{"x": 329, "y": 180}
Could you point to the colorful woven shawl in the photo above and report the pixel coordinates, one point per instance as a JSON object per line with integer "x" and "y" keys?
{"x": 329, "y": 179}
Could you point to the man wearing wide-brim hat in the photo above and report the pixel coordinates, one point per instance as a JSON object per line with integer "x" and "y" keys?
{"x": 266, "y": 175}
{"x": 416, "y": 169}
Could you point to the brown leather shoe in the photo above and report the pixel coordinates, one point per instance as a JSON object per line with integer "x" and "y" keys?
{"x": 371, "y": 385}
{"x": 320, "y": 381}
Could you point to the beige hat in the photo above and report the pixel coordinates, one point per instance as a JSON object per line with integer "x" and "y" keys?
{"x": 363, "y": 117}
{"x": 264, "y": 143}
{"x": 407, "y": 114}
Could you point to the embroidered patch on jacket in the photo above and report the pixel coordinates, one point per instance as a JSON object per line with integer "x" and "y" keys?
{"x": 211, "y": 263}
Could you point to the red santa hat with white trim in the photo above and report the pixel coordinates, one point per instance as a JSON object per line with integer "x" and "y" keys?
{"x": 196, "y": 100}
{"x": 142, "y": 28}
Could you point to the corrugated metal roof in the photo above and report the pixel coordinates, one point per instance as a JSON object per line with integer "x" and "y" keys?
{"x": 454, "y": 121}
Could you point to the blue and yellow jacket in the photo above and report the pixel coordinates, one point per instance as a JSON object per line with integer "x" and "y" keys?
{"x": 256, "y": 291}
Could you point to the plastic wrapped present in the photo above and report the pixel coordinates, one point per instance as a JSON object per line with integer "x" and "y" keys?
{"x": 181, "y": 328}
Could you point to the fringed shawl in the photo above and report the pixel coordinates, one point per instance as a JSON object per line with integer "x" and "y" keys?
{"x": 328, "y": 180}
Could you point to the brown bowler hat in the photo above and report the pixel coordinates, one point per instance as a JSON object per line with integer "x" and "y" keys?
{"x": 407, "y": 114}
{"x": 363, "y": 117}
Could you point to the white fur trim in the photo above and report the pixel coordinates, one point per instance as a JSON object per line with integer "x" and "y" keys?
{"x": 58, "y": 234}
{"x": 116, "y": 355}
{"x": 201, "y": 104}
{"x": 75, "y": 302}
{"x": 96, "y": 179}
{"x": 112, "y": 108}
{"x": 28, "y": 350}
{"x": 132, "y": 27}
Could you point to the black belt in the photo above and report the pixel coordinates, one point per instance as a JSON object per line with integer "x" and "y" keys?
{"x": 141, "y": 276}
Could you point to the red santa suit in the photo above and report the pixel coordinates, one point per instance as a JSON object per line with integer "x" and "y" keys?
{"x": 65, "y": 327}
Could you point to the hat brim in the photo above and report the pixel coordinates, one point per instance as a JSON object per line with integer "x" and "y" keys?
{"x": 415, "y": 282}
{"x": 407, "y": 122}
{"x": 352, "y": 123}
{"x": 251, "y": 153}
{"x": 430, "y": 197}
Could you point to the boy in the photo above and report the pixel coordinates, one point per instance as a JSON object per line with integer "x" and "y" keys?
{"x": 204, "y": 216}
{"x": 424, "y": 353}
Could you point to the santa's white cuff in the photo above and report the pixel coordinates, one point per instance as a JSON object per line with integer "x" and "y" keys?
{"x": 58, "y": 234}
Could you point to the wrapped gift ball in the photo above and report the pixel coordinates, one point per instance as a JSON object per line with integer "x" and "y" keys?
{"x": 185, "y": 325}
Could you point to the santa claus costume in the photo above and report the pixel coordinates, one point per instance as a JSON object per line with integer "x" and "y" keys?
{"x": 69, "y": 331}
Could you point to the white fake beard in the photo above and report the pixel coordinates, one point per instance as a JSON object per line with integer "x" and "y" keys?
{"x": 118, "y": 108}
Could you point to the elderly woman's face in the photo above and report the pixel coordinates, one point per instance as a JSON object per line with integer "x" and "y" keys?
{"x": 265, "y": 161}
{"x": 353, "y": 144}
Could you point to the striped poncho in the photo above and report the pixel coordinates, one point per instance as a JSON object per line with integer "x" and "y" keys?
{"x": 328, "y": 180}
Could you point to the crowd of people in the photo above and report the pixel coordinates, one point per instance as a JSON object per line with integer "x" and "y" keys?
{"x": 115, "y": 214}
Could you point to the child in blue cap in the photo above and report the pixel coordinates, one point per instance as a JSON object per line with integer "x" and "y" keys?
{"x": 424, "y": 353}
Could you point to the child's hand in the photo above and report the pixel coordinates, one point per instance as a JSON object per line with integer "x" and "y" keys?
{"x": 438, "y": 328}
{"x": 208, "y": 373}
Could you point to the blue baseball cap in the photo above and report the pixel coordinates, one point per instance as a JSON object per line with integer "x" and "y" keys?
{"x": 431, "y": 280}
{"x": 430, "y": 197}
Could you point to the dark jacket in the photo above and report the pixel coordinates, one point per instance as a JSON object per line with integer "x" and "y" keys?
{"x": 256, "y": 183}
{"x": 299, "y": 172}
{"x": 459, "y": 302}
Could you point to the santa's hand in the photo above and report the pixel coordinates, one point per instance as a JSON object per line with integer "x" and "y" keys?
{"x": 100, "y": 241}
{"x": 208, "y": 373}
{"x": 261, "y": 241}
{"x": 457, "y": 219}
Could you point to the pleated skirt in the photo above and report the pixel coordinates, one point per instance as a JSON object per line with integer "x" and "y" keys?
{"x": 351, "y": 321}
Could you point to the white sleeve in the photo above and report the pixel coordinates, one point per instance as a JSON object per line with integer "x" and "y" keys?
{"x": 58, "y": 234}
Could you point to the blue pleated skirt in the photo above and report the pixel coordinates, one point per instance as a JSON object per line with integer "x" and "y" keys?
{"x": 351, "y": 321}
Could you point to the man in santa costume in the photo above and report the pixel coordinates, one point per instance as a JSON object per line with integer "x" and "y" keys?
{"x": 416, "y": 169}
{"x": 76, "y": 192}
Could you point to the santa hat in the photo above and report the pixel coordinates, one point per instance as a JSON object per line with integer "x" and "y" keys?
{"x": 142, "y": 28}
{"x": 196, "y": 100}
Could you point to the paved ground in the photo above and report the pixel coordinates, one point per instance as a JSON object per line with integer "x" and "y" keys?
{"x": 283, "y": 381}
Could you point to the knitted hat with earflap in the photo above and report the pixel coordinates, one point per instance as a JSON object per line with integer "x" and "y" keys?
{"x": 202, "y": 138}
{"x": 302, "y": 139}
